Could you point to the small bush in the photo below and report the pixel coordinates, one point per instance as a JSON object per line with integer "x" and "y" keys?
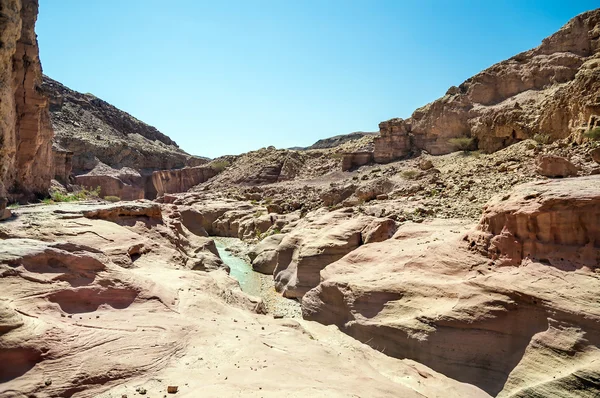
{"x": 593, "y": 134}
{"x": 542, "y": 139}
{"x": 13, "y": 205}
{"x": 111, "y": 198}
{"x": 337, "y": 155}
{"x": 220, "y": 165}
{"x": 83, "y": 194}
{"x": 409, "y": 174}
{"x": 462, "y": 144}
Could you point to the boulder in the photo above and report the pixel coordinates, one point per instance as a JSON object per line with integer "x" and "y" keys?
{"x": 320, "y": 238}
{"x": 551, "y": 221}
{"x": 555, "y": 166}
{"x": 595, "y": 155}
{"x": 374, "y": 188}
{"x": 264, "y": 255}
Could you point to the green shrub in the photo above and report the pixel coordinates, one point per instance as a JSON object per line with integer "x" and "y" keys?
{"x": 337, "y": 155}
{"x": 111, "y": 198}
{"x": 13, "y": 205}
{"x": 593, "y": 134}
{"x": 462, "y": 143}
{"x": 409, "y": 174}
{"x": 542, "y": 139}
{"x": 220, "y": 165}
{"x": 83, "y": 194}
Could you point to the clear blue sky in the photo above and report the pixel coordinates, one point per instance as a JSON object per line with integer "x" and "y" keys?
{"x": 225, "y": 77}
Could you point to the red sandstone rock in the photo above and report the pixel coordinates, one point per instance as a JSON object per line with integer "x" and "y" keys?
{"x": 25, "y": 130}
{"x": 555, "y": 166}
{"x": 553, "y": 221}
{"x": 174, "y": 181}
{"x": 551, "y": 89}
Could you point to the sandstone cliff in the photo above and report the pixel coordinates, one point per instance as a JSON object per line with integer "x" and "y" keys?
{"x": 551, "y": 90}
{"x": 25, "y": 130}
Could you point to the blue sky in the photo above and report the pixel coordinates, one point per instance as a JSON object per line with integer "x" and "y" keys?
{"x": 225, "y": 77}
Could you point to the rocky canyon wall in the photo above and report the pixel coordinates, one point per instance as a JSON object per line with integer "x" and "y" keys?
{"x": 25, "y": 129}
{"x": 550, "y": 90}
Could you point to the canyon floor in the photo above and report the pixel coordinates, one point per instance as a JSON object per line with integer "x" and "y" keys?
{"x": 393, "y": 290}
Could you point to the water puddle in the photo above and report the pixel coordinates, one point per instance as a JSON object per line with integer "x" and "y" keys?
{"x": 254, "y": 283}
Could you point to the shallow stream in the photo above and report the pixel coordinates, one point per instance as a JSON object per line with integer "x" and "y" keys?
{"x": 233, "y": 252}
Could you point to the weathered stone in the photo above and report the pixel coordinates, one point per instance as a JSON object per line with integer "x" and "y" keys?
{"x": 551, "y": 89}
{"x": 393, "y": 141}
{"x": 555, "y": 166}
{"x": 356, "y": 159}
{"x": 553, "y": 221}
{"x": 174, "y": 181}
{"x": 25, "y": 130}
{"x": 595, "y": 154}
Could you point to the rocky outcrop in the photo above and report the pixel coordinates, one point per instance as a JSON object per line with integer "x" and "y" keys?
{"x": 174, "y": 181}
{"x": 550, "y": 90}
{"x": 555, "y": 166}
{"x": 98, "y": 134}
{"x": 319, "y": 239}
{"x": 25, "y": 130}
{"x": 126, "y": 184}
{"x": 557, "y": 222}
{"x": 351, "y": 160}
{"x": 62, "y": 163}
{"x": 338, "y": 140}
{"x": 393, "y": 141}
{"x": 76, "y": 317}
{"x": 422, "y": 295}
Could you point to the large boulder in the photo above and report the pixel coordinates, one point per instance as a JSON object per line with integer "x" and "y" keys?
{"x": 126, "y": 183}
{"x": 551, "y": 221}
{"x": 555, "y": 166}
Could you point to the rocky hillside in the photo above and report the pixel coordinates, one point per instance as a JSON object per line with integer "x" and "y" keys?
{"x": 551, "y": 90}
{"x": 337, "y": 140}
{"x": 25, "y": 130}
{"x": 96, "y": 131}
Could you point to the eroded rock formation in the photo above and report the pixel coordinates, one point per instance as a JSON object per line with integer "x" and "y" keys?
{"x": 548, "y": 221}
{"x": 498, "y": 323}
{"x": 25, "y": 130}
{"x": 550, "y": 90}
{"x": 96, "y": 302}
{"x": 174, "y": 181}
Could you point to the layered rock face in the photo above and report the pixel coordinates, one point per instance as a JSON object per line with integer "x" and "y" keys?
{"x": 520, "y": 321}
{"x": 393, "y": 141}
{"x": 319, "y": 239}
{"x": 173, "y": 181}
{"x": 25, "y": 130}
{"x": 98, "y": 133}
{"x": 557, "y": 222}
{"x": 552, "y": 90}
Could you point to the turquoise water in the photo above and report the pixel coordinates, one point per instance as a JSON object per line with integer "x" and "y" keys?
{"x": 240, "y": 270}
{"x": 256, "y": 284}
